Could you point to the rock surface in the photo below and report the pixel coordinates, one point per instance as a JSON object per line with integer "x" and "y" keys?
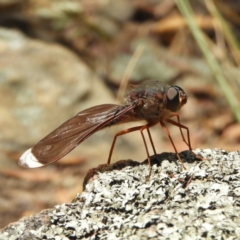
{"x": 200, "y": 202}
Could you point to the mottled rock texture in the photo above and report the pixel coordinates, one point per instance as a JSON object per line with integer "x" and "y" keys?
{"x": 202, "y": 202}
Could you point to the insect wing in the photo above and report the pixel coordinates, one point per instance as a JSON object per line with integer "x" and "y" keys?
{"x": 71, "y": 133}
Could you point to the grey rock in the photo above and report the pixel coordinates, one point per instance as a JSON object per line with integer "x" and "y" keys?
{"x": 200, "y": 202}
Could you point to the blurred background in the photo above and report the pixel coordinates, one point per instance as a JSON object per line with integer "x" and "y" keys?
{"x": 59, "y": 57}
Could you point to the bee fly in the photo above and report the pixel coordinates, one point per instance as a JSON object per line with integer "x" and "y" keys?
{"x": 152, "y": 101}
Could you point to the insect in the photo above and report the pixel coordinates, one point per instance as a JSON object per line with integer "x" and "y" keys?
{"x": 151, "y": 100}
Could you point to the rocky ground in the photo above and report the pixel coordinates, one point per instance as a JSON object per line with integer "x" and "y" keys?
{"x": 201, "y": 202}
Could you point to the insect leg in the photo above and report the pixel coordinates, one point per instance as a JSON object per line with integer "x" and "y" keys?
{"x": 150, "y": 138}
{"x": 178, "y": 124}
{"x": 115, "y": 138}
{"x": 145, "y": 144}
{"x": 141, "y": 128}
{"x": 180, "y": 128}
{"x": 168, "y": 133}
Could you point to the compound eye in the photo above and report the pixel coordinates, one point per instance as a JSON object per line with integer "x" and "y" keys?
{"x": 172, "y": 99}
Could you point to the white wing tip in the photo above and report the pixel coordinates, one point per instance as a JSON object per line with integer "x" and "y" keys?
{"x": 28, "y": 160}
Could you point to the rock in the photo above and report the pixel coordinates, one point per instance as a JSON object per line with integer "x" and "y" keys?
{"x": 202, "y": 201}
